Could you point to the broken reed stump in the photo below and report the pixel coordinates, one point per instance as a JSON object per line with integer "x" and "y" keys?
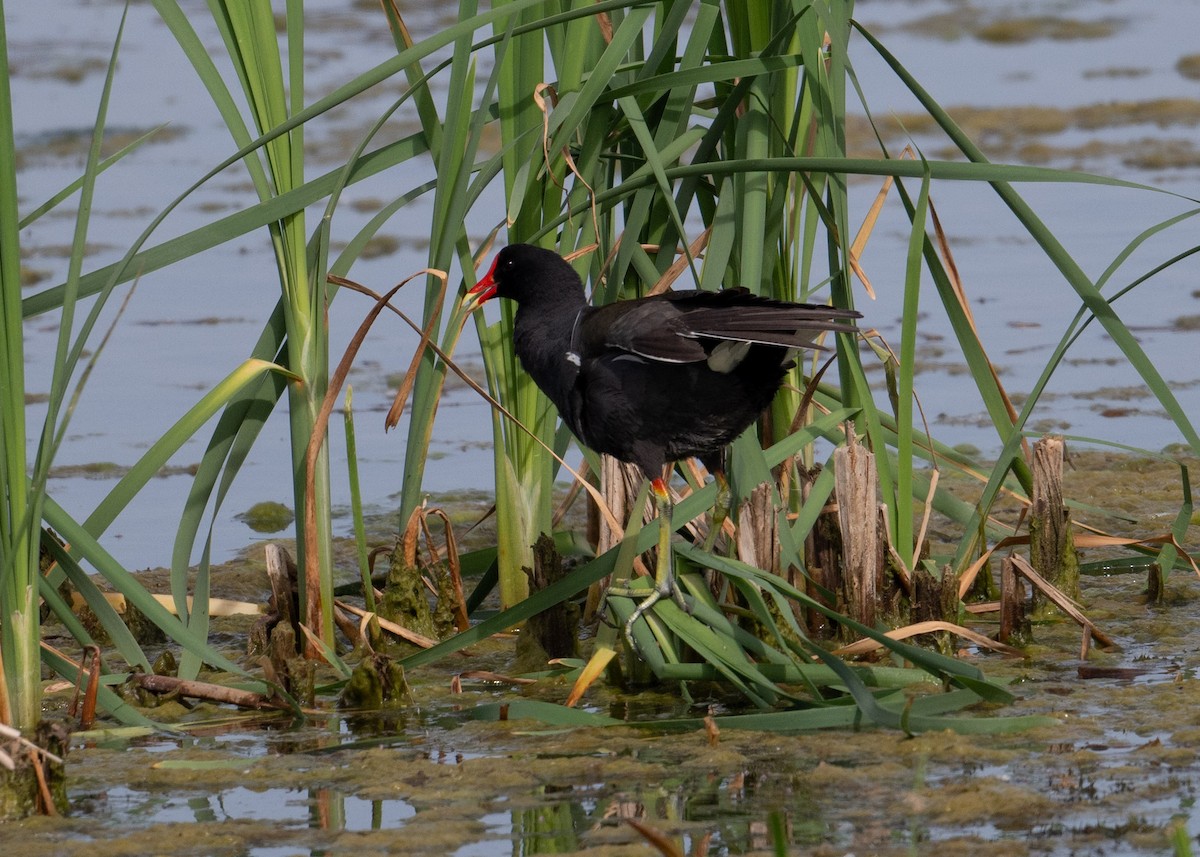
{"x": 283, "y": 606}
{"x": 553, "y": 633}
{"x": 33, "y": 780}
{"x": 405, "y": 597}
{"x": 276, "y": 638}
{"x": 758, "y": 545}
{"x": 1051, "y": 543}
{"x": 1155, "y": 582}
{"x": 1014, "y": 620}
{"x": 620, "y": 485}
{"x": 935, "y": 599}
{"x": 858, "y": 518}
{"x": 875, "y": 586}
{"x": 823, "y": 557}
{"x": 422, "y": 591}
{"x": 376, "y": 682}
{"x": 758, "y": 530}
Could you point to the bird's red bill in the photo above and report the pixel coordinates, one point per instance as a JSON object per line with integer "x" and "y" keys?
{"x": 485, "y": 288}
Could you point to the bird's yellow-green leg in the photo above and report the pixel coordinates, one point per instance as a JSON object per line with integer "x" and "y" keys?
{"x": 720, "y": 510}
{"x": 664, "y": 572}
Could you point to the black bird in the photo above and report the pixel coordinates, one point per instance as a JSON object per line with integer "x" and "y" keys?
{"x": 653, "y": 380}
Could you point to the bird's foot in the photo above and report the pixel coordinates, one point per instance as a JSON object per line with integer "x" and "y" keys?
{"x": 648, "y": 602}
{"x": 650, "y": 597}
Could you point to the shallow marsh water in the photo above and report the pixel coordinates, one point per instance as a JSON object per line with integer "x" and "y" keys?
{"x": 1119, "y": 770}
{"x": 1110, "y": 780}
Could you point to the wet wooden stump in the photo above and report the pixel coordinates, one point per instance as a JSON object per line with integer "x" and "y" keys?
{"x": 822, "y": 556}
{"x": 758, "y": 545}
{"x": 1155, "y": 582}
{"x": 935, "y": 599}
{"x": 376, "y": 681}
{"x": 1014, "y": 619}
{"x": 405, "y": 597}
{"x": 758, "y": 530}
{"x": 858, "y": 519}
{"x": 36, "y": 783}
{"x": 276, "y": 638}
{"x": 1051, "y": 543}
{"x": 620, "y": 485}
{"x": 553, "y": 633}
{"x": 283, "y": 605}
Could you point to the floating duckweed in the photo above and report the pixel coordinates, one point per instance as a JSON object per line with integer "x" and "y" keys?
{"x": 267, "y": 517}
{"x": 1013, "y": 132}
{"x": 1015, "y": 30}
{"x": 89, "y": 470}
{"x": 380, "y": 245}
{"x": 965, "y": 21}
{"x": 1116, "y": 71}
{"x": 32, "y": 276}
{"x": 1189, "y": 66}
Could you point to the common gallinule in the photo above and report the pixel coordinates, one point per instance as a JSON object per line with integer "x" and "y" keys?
{"x": 653, "y": 380}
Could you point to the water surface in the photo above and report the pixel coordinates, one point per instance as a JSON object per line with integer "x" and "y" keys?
{"x": 189, "y": 325}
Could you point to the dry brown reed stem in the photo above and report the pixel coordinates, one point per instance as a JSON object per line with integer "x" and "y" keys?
{"x": 45, "y": 801}
{"x": 862, "y": 647}
{"x": 87, "y": 712}
{"x": 453, "y": 565}
{"x": 1063, "y": 603}
{"x": 207, "y": 690}
{"x": 1081, "y": 541}
{"x": 389, "y": 626}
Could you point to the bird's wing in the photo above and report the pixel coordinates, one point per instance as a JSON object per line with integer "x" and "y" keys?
{"x": 670, "y": 327}
{"x": 654, "y": 329}
{"x": 788, "y": 326}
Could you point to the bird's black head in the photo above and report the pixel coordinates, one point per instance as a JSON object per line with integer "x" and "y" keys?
{"x": 527, "y": 274}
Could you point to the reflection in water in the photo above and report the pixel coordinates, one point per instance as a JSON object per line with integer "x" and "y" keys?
{"x": 709, "y": 814}
{"x": 315, "y": 809}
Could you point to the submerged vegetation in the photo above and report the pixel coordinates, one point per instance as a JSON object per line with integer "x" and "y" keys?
{"x": 651, "y": 145}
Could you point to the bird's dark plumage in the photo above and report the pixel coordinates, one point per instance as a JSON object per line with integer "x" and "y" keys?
{"x": 657, "y": 379}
